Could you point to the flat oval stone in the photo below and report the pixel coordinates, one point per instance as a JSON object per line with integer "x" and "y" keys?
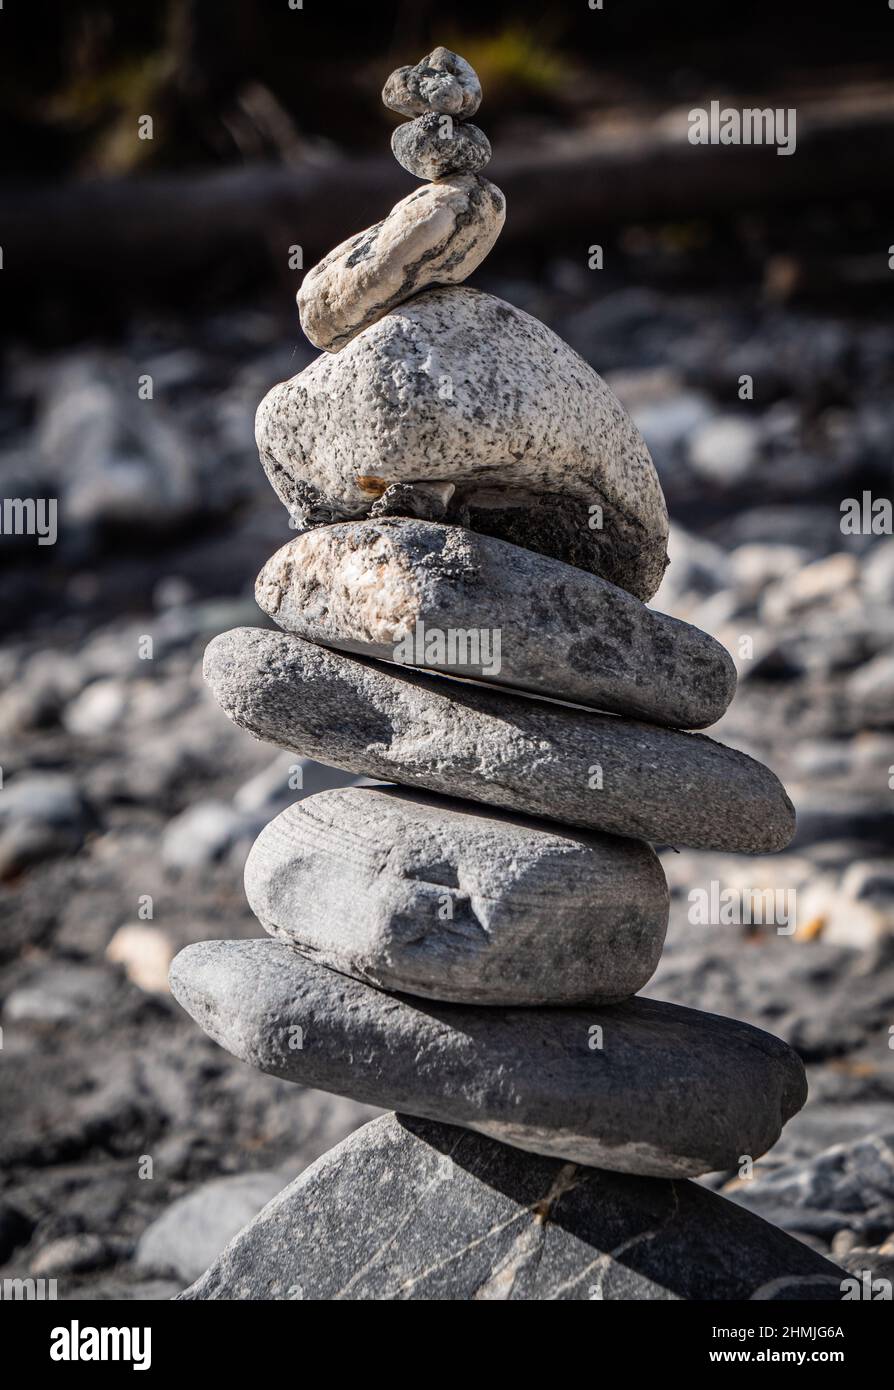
{"x": 638, "y": 1087}
{"x": 460, "y": 388}
{"x": 449, "y": 599}
{"x": 441, "y": 899}
{"x": 437, "y": 1213}
{"x": 432, "y": 146}
{"x": 435, "y": 236}
{"x": 441, "y": 81}
{"x": 585, "y": 769}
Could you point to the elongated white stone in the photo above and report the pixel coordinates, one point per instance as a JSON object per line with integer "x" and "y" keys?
{"x": 435, "y": 236}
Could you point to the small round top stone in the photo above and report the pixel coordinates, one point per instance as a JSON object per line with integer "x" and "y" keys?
{"x": 442, "y": 82}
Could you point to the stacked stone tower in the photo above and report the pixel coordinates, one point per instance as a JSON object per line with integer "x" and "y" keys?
{"x": 466, "y": 944}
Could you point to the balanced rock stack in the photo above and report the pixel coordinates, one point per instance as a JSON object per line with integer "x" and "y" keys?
{"x": 465, "y": 947}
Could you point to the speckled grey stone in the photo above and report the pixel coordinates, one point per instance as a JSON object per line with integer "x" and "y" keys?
{"x": 459, "y": 388}
{"x": 406, "y": 1209}
{"x": 432, "y": 146}
{"x": 445, "y": 900}
{"x": 441, "y": 81}
{"x": 591, "y": 770}
{"x": 436, "y": 236}
{"x": 638, "y": 1087}
{"x": 541, "y": 625}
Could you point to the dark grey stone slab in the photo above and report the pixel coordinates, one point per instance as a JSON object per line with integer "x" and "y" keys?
{"x": 405, "y": 1209}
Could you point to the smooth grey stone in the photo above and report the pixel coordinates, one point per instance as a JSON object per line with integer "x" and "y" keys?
{"x": 871, "y": 689}
{"x": 204, "y": 833}
{"x": 25, "y": 843}
{"x": 438, "y": 898}
{"x": 43, "y": 798}
{"x": 591, "y": 770}
{"x": 433, "y": 146}
{"x": 98, "y": 709}
{"x": 365, "y": 586}
{"x": 724, "y": 450}
{"x": 441, "y": 81}
{"x": 406, "y": 1209}
{"x": 869, "y": 880}
{"x": 461, "y": 389}
{"x": 106, "y": 462}
{"x": 194, "y": 1229}
{"x": 639, "y": 1087}
{"x": 60, "y": 993}
{"x": 877, "y": 573}
{"x": 436, "y": 236}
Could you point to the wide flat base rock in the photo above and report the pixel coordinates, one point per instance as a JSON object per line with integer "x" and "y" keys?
{"x": 585, "y": 769}
{"x": 640, "y": 1087}
{"x": 443, "y": 597}
{"x": 406, "y": 1209}
{"x": 415, "y": 893}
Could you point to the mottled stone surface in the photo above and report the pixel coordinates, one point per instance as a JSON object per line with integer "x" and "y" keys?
{"x": 459, "y": 388}
{"x": 849, "y": 1187}
{"x": 406, "y": 1209}
{"x": 435, "y": 236}
{"x": 590, "y": 770}
{"x": 638, "y": 1087}
{"x": 441, "y": 81}
{"x": 437, "y": 898}
{"x": 432, "y": 146}
{"x": 519, "y": 619}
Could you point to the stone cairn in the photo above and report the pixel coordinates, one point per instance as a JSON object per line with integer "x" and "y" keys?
{"x": 466, "y": 947}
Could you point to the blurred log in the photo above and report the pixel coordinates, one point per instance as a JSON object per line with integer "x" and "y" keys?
{"x": 187, "y": 235}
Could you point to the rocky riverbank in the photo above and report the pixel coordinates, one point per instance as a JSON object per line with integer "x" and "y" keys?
{"x": 123, "y": 782}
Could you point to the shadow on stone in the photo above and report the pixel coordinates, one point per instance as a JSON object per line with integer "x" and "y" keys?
{"x": 406, "y": 1209}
